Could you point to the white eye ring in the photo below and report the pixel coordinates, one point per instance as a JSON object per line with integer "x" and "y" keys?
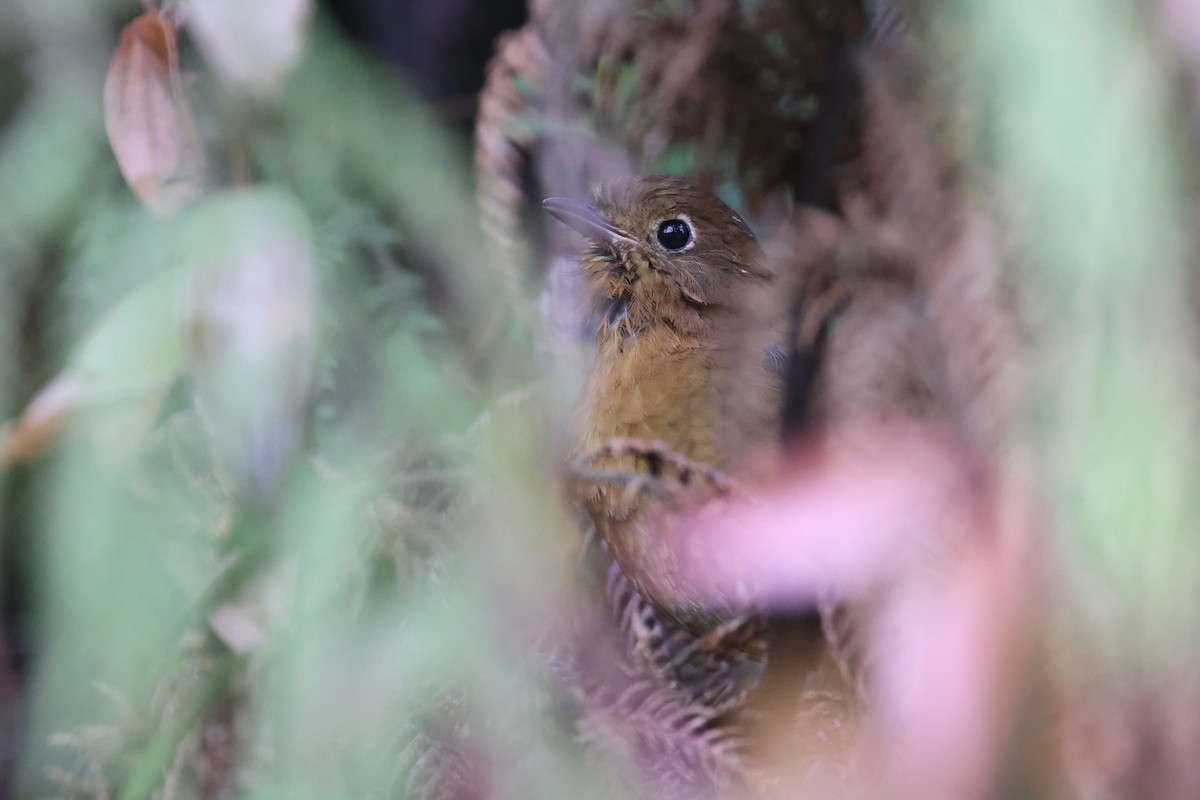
{"x": 689, "y": 228}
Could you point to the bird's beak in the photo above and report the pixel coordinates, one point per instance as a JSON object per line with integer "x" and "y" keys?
{"x": 587, "y": 219}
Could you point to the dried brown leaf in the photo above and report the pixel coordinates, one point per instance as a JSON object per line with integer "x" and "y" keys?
{"x": 149, "y": 124}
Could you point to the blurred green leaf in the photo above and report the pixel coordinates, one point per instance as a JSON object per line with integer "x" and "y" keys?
{"x": 120, "y": 372}
{"x": 247, "y": 313}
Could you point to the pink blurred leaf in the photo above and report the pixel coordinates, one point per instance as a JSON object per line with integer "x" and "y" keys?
{"x": 146, "y": 115}
{"x": 930, "y": 551}
{"x": 950, "y": 642}
{"x": 836, "y": 522}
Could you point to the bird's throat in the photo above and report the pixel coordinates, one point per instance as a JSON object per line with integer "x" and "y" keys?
{"x": 616, "y": 310}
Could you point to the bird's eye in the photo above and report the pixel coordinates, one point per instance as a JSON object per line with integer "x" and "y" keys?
{"x": 674, "y": 234}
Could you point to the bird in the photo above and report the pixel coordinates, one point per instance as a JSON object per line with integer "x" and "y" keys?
{"x": 681, "y": 381}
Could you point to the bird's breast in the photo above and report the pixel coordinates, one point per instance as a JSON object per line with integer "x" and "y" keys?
{"x": 657, "y": 388}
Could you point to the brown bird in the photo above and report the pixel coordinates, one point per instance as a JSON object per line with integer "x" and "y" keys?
{"x": 686, "y": 314}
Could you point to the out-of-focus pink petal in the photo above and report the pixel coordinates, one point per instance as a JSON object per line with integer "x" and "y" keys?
{"x": 837, "y": 521}
{"x": 949, "y": 650}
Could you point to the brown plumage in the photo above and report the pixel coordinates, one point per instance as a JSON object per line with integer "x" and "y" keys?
{"x": 685, "y": 317}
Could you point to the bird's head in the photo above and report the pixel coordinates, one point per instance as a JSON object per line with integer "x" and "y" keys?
{"x": 662, "y": 250}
